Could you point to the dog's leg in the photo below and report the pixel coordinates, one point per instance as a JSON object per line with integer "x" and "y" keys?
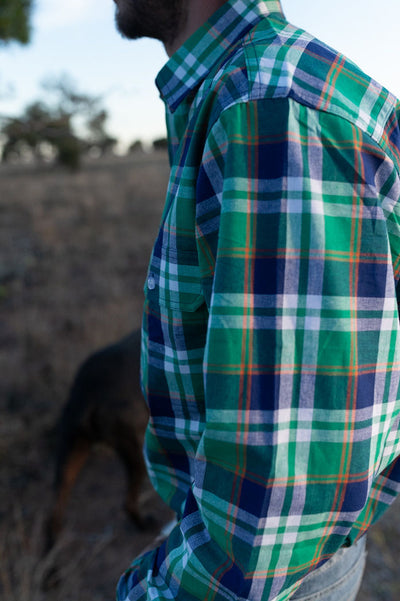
{"x": 131, "y": 454}
{"x": 67, "y": 471}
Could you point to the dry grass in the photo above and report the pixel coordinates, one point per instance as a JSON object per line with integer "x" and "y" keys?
{"x": 74, "y": 250}
{"x": 26, "y": 574}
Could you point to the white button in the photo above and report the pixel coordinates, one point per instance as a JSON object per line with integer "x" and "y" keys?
{"x": 151, "y": 282}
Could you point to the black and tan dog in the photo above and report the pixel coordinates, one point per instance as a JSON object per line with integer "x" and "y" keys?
{"x": 105, "y": 405}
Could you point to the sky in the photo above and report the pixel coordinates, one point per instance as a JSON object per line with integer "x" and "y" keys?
{"x": 78, "y": 38}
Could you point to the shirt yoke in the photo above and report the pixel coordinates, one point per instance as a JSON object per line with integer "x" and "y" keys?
{"x": 277, "y": 60}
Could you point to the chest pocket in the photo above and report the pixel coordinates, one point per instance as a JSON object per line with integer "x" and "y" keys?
{"x": 173, "y": 280}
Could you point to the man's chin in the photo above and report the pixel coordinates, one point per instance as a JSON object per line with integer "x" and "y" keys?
{"x": 127, "y": 32}
{"x": 148, "y": 19}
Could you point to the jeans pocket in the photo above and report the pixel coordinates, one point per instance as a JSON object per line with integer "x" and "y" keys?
{"x": 338, "y": 579}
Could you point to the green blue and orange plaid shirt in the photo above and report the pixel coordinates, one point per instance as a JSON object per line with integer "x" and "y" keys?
{"x": 271, "y": 349}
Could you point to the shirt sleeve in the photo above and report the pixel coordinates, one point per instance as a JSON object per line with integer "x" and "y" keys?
{"x": 301, "y": 367}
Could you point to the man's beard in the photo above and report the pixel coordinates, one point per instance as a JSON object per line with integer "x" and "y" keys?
{"x": 158, "y": 19}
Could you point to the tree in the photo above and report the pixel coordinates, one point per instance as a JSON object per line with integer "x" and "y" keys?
{"x": 15, "y": 18}
{"x": 135, "y": 146}
{"x": 66, "y": 96}
{"x": 98, "y": 138}
{"x": 160, "y": 144}
{"x": 62, "y": 130}
{"x": 41, "y": 132}
{"x": 86, "y": 110}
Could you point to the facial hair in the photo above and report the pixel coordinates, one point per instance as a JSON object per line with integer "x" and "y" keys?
{"x": 158, "y": 19}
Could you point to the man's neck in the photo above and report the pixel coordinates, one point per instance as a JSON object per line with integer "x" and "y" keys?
{"x": 198, "y": 11}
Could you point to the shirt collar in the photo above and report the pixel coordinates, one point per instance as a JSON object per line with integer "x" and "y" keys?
{"x": 190, "y": 64}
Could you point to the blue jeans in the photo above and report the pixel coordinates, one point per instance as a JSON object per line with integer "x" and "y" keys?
{"x": 338, "y": 579}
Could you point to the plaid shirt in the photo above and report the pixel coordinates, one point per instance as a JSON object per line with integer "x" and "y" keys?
{"x": 271, "y": 354}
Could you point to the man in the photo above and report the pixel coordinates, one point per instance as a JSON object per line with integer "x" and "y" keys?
{"x": 270, "y": 342}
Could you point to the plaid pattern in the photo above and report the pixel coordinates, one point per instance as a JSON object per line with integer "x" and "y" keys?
{"x": 271, "y": 355}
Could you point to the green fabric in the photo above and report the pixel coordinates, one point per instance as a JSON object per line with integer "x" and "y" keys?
{"x": 270, "y": 355}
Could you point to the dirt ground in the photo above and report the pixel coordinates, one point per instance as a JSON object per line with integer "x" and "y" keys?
{"x": 73, "y": 256}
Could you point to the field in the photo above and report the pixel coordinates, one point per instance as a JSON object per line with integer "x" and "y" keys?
{"x": 73, "y": 256}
